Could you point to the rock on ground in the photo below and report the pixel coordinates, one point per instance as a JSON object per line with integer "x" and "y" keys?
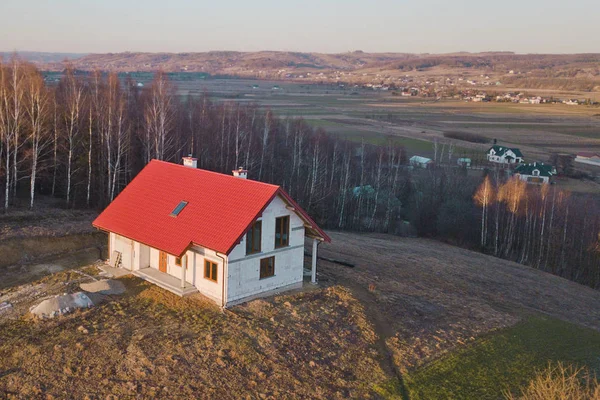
{"x": 59, "y": 305}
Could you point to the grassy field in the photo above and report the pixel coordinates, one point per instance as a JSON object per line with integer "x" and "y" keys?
{"x": 506, "y": 360}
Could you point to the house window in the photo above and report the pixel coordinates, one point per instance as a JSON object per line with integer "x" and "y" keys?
{"x": 267, "y": 267}
{"x": 282, "y": 231}
{"x": 253, "y": 238}
{"x": 178, "y": 261}
{"x": 210, "y": 270}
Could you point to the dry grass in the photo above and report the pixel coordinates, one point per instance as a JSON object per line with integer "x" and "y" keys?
{"x": 152, "y": 344}
{"x": 560, "y": 382}
{"x": 407, "y": 303}
{"x": 436, "y": 297}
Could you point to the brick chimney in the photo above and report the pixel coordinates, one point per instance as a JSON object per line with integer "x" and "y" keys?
{"x": 240, "y": 173}
{"x": 190, "y": 161}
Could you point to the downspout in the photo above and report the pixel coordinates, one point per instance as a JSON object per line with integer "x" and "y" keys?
{"x": 223, "y": 302}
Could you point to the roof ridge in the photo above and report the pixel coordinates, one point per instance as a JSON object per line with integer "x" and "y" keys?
{"x": 220, "y": 174}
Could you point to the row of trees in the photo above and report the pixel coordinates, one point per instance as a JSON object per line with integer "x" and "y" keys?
{"x": 83, "y": 139}
{"x": 541, "y": 226}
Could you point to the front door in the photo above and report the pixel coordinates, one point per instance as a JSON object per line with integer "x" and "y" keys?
{"x": 162, "y": 261}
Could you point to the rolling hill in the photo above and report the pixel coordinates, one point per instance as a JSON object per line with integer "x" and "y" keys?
{"x": 538, "y": 71}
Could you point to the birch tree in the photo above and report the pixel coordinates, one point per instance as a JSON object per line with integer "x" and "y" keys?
{"x": 484, "y": 197}
{"x": 73, "y": 103}
{"x": 37, "y": 111}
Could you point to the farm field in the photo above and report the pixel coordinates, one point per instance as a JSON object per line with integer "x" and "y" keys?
{"x": 374, "y": 116}
{"x": 411, "y": 318}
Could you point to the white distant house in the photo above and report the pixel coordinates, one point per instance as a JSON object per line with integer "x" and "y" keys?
{"x": 535, "y": 100}
{"x": 588, "y": 158}
{"x": 536, "y": 173}
{"x": 421, "y": 162}
{"x": 504, "y": 155}
{"x": 464, "y": 162}
{"x": 189, "y": 230}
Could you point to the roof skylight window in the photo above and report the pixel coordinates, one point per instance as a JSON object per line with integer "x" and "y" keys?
{"x": 179, "y": 208}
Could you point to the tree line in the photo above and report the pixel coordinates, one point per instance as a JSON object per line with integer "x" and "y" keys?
{"x": 85, "y": 137}
{"x": 541, "y": 226}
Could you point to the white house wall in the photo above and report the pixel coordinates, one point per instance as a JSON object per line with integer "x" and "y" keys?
{"x": 588, "y": 161}
{"x": 154, "y": 258}
{"x": 123, "y": 246}
{"x": 244, "y": 271}
{"x": 195, "y": 272}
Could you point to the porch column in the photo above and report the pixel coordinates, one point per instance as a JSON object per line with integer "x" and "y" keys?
{"x": 183, "y": 268}
{"x": 313, "y": 277}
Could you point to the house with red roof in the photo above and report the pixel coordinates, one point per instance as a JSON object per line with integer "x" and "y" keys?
{"x": 588, "y": 158}
{"x": 190, "y": 230}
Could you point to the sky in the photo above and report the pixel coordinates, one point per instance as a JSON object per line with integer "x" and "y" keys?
{"x": 328, "y": 26}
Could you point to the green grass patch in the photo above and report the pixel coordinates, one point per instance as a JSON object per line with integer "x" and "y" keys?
{"x": 505, "y": 360}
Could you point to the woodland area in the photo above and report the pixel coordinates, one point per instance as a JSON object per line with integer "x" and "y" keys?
{"x": 83, "y": 139}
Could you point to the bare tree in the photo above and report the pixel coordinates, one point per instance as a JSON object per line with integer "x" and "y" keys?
{"x": 484, "y": 197}
{"x": 73, "y": 103}
{"x": 37, "y": 111}
{"x": 159, "y": 117}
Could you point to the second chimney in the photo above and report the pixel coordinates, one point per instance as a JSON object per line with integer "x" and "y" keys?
{"x": 240, "y": 173}
{"x": 190, "y": 161}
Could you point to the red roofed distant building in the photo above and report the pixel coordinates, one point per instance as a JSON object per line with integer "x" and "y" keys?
{"x": 588, "y": 158}
{"x": 235, "y": 238}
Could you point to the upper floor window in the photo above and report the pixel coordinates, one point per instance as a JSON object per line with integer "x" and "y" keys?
{"x": 282, "y": 231}
{"x": 253, "y": 238}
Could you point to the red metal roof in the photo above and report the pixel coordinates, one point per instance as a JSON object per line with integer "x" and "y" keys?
{"x": 220, "y": 208}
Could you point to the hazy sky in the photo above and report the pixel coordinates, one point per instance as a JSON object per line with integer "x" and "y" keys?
{"x": 526, "y": 26}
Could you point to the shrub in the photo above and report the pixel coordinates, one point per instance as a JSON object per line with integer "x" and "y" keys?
{"x": 560, "y": 382}
{"x": 467, "y": 137}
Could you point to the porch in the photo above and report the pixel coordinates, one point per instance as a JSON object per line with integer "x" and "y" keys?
{"x": 166, "y": 281}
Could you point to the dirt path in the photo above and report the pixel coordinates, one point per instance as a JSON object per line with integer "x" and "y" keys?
{"x": 382, "y": 327}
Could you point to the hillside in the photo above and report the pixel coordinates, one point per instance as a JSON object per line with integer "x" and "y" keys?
{"x": 41, "y": 58}
{"x": 372, "y": 331}
{"x": 538, "y": 71}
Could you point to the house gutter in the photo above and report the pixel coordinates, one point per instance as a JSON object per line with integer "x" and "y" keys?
{"x": 223, "y": 302}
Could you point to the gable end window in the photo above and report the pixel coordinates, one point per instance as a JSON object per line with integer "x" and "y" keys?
{"x": 253, "y": 238}
{"x": 210, "y": 270}
{"x": 267, "y": 267}
{"x": 282, "y": 231}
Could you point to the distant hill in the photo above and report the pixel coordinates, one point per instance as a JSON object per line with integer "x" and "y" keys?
{"x": 537, "y": 71}
{"x": 37, "y": 57}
